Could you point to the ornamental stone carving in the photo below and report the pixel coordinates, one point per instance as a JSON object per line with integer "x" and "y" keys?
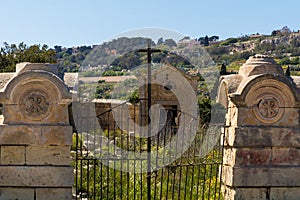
{"x": 262, "y": 132}
{"x": 35, "y": 105}
{"x": 268, "y": 107}
{"x": 35, "y": 134}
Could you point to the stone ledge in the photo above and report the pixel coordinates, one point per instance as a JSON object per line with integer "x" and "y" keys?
{"x": 36, "y": 176}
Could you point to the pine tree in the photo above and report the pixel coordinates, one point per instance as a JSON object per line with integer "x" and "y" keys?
{"x": 223, "y": 70}
{"x": 288, "y": 72}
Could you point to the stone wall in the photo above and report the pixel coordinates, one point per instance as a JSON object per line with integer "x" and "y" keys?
{"x": 262, "y": 135}
{"x": 35, "y": 135}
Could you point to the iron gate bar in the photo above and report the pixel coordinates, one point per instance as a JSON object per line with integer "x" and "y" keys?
{"x": 187, "y": 178}
{"x": 149, "y": 51}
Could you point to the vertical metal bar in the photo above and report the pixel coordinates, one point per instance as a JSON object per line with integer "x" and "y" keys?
{"x": 114, "y": 160}
{"x": 174, "y": 182}
{"x": 222, "y": 155}
{"x": 101, "y": 180}
{"x": 81, "y": 179}
{"x": 192, "y": 182}
{"x": 186, "y": 181}
{"x": 88, "y": 178}
{"x": 107, "y": 167}
{"x": 76, "y": 164}
{"x": 168, "y": 179}
{"x": 149, "y": 123}
{"x": 204, "y": 181}
{"x": 198, "y": 182}
{"x": 94, "y": 192}
{"x": 179, "y": 181}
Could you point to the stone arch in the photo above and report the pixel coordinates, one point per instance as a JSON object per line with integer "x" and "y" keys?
{"x": 246, "y": 88}
{"x": 222, "y": 97}
{"x": 41, "y": 79}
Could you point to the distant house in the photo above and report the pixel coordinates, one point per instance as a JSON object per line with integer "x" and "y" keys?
{"x": 168, "y": 88}
{"x": 257, "y": 35}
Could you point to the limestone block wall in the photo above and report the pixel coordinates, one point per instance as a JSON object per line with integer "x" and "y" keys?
{"x": 262, "y": 136}
{"x": 35, "y": 135}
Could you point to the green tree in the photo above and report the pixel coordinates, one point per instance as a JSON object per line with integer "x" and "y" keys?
{"x": 288, "y": 72}
{"x": 170, "y": 43}
{"x": 160, "y": 41}
{"x": 206, "y": 41}
{"x": 12, "y": 54}
{"x": 223, "y": 70}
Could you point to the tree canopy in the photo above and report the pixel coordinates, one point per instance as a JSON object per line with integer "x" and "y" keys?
{"x": 11, "y": 54}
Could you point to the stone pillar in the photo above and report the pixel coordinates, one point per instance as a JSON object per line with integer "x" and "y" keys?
{"x": 262, "y": 135}
{"x": 35, "y": 135}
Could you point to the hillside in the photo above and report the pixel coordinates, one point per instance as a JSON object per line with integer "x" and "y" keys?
{"x": 121, "y": 54}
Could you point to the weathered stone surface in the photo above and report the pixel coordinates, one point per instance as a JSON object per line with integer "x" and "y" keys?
{"x": 35, "y": 135}
{"x": 12, "y": 155}
{"x": 252, "y": 193}
{"x": 246, "y": 193}
{"x": 16, "y": 193}
{"x": 260, "y": 64}
{"x": 263, "y": 137}
{"x": 229, "y": 156}
{"x": 54, "y": 193}
{"x": 247, "y": 156}
{"x": 286, "y": 156}
{"x": 56, "y": 135}
{"x": 20, "y": 135}
{"x": 26, "y": 66}
{"x": 58, "y": 115}
{"x": 265, "y": 176}
{"x": 39, "y": 176}
{"x": 258, "y": 157}
{"x": 48, "y": 155}
{"x": 289, "y": 118}
{"x": 285, "y": 193}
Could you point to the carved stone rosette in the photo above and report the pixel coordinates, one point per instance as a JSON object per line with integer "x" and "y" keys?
{"x": 268, "y": 109}
{"x": 34, "y": 105}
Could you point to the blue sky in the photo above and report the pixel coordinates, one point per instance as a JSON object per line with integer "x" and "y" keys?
{"x": 77, "y": 22}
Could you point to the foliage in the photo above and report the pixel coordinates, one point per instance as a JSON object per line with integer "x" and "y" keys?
{"x": 98, "y": 179}
{"x": 229, "y": 41}
{"x": 170, "y": 43}
{"x": 204, "y": 104}
{"x": 287, "y": 72}
{"x": 12, "y": 54}
{"x": 91, "y": 73}
{"x": 134, "y": 97}
{"x": 112, "y": 73}
{"x": 70, "y": 59}
{"x": 103, "y": 90}
{"x": 223, "y": 70}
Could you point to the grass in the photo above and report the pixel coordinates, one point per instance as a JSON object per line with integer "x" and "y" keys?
{"x": 189, "y": 177}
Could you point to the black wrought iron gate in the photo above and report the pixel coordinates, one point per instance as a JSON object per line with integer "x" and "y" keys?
{"x": 103, "y": 170}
